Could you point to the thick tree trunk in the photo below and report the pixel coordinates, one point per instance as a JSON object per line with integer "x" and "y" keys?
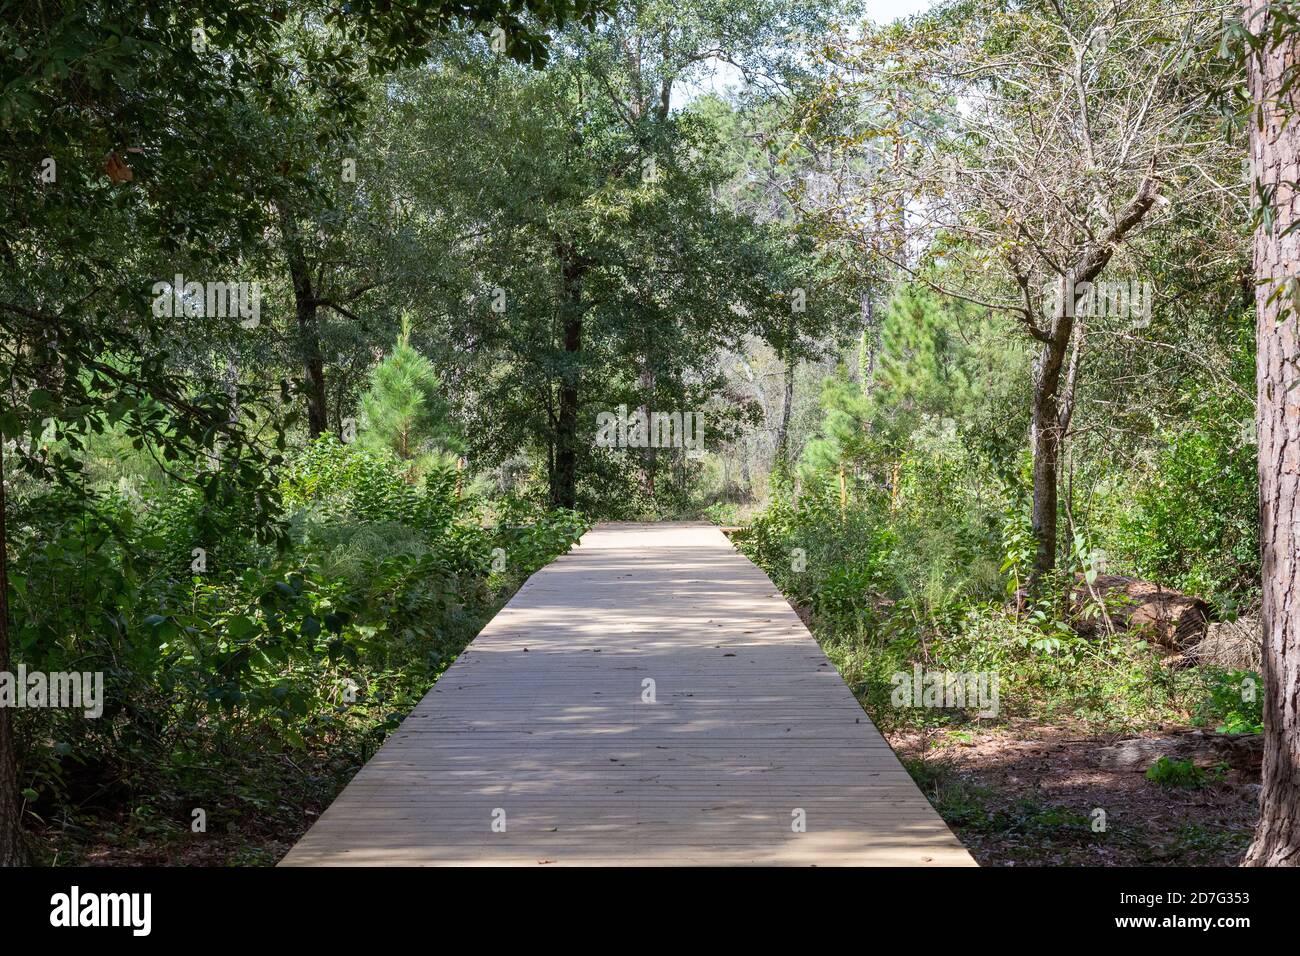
{"x": 1274, "y": 149}
{"x": 564, "y": 479}
{"x": 11, "y": 843}
{"x": 313, "y": 361}
{"x": 314, "y": 367}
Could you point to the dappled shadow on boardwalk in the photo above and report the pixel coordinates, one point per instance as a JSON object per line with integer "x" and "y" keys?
{"x": 647, "y": 699}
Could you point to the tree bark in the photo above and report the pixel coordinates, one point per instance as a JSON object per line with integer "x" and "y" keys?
{"x": 314, "y": 367}
{"x": 1274, "y": 151}
{"x": 782, "y": 451}
{"x": 649, "y": 458}
{"x": 11, "y": 839}
{"x": 306, "y": 308}
{"x": 564, "y": 479}
{"x": 313, "y": 361}
{"x": 1045, "y": 444}
{"x": 787, "y": 404}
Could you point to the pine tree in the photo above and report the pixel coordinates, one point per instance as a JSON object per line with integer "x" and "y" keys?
{"x": 404, "y": 413}
{"x": 921, "y": 366}
{"x": 924, "y": 366}
{"x": 844, "y": 438}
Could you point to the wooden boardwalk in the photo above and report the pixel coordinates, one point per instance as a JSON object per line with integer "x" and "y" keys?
{"x": 544, "y": 725}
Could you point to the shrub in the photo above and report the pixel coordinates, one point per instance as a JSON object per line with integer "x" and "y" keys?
{"x": 1234, "y": 703}
{"x": 1194, "y": 523}
{"x": 257, "y": 684}
{"x": 1168, "y": 772}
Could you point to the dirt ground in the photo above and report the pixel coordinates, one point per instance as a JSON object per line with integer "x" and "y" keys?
{"x": 1028, "y": 794}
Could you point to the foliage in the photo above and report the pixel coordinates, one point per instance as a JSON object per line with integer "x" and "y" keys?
{"x": 844, "y": 265}
{"x": 1193, "y": 524}
{"x": 1168, "y": 772}
{"x": 1234, "y": 703}
{"x": 404, "y": 413}
{"x": 908, "y": 540}
{"x": 264, "y": 661}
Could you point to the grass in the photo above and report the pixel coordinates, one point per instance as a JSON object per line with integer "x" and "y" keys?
{"x": 1168, "y": 772}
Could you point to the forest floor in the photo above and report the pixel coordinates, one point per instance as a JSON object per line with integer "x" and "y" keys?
{"x": 1026, "y": 794}
{"x": 125, "y": 839}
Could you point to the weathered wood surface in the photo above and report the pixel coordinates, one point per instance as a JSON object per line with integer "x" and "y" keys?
{"x": 542, "y": 719}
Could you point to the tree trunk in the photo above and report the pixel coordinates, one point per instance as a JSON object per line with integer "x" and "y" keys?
{"x": 564, "y": 491}
{"x": 1045, "y": 443}
{"x": 1274, "y": 149}
{"x": 313, "y": 361}
{"x": 306, "y": 308}
{"x": 564, "y": 484}
{"x": 1052, "y": 404}
{"x": 648, "y": 454}
{"x": 867, "y": 344}
{"x": 787, "y": 405}
{"x": 11, "y": 840}
{"x": 317, "y": 414}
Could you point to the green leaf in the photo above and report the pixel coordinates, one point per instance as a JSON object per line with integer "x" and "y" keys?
{"x": 240, "y": 627}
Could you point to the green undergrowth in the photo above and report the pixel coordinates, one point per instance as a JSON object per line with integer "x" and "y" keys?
{"x": 245, "y": 681}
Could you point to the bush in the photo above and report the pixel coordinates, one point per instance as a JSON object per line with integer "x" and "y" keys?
{"x": 920, "y": 570}
{"x": 1234, "y": 703}
{"x": 253, "y": 686}
{"x": 1193, "y": 525}
{"x": 1168, "y": 772}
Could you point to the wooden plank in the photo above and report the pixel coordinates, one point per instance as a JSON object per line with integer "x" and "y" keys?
{"x": 542, "y": 721}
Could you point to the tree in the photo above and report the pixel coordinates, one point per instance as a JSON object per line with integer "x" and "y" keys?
{"x": 127, "y": 152}
{"x": 845, "y": 442}
{"x": 1016, "y": 174}
{"x": 770, "y": 175}
{"x": 11, "y": 847}
{"x": 1272, "y": 55}
{"x": 937, "y": 360}
{"x": 589, "y": 261}
{"x": 638, "y": 59}
{"x": 404, "y": 413}
{"x": 921, "y": 362}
